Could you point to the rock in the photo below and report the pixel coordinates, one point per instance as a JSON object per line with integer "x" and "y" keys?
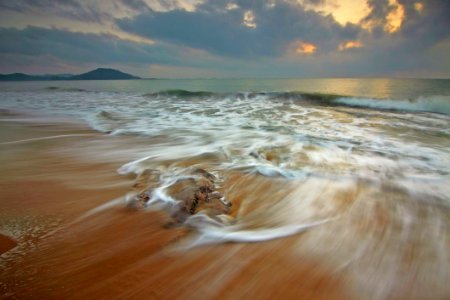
{"x": 204, "y": 173}
{"x": 196, "y": 192}
{"x": 145, "y": 180}
{"x": 139, "y": 201}
{"x": 142, "y": 189}
{"x": 192, "y": 192}
{"x": 255, "y": 154}
{"x": 6, "y": 243}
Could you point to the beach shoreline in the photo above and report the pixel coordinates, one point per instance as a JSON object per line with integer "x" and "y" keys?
{"x": 120, "y": 214}
{"x": 64, "y": 251}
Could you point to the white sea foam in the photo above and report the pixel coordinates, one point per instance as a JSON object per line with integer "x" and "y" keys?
{"x": 367, "y": 179}
{"x": 45, "y": 138}
{"x": 100, "y": 208}
{"x": 303, "y": 138}
{"x": 134, "y": 166}
{"x": 210, "y": 231}
{"x": 436, "y": 104}
{"x": 281, "y": 135}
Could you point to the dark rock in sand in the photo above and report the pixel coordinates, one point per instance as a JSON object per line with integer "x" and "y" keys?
{"x": 143, "y": 187}
{"x": 6, "y": 243}
{"x": 191, "y": 191}
{"x": 204, "y": 173}
{"x": 199, "y": 193}
{"x": 139, "y": 201}
{"x": 196, "y": 192}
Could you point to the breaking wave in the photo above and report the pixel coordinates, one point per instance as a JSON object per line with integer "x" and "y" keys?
{"x": 434, "y": 104}
{"x": 180, "y": 94}
{"x": 437, "y": 104}
{"x": 64, "y": 89}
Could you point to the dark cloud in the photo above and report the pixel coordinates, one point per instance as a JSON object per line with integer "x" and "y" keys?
{"x": 421, "y": 43}
{"x": 315, "y": 2}
{"x": 409, "y": 46}
{"x": 72, "y": 9}
{"x": 220, "y": 31}
{"x": 137, "y": 5}
{"x": 82, "y": 47}
{"x": 428, "y": 26}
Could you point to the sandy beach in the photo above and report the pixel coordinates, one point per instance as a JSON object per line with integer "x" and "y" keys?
{"x": 204, "y": 149}
{"x": 62, "y": 203}
{"x": 170, "y": 202}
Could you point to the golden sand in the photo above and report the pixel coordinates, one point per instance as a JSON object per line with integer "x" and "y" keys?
{"x": 48, "y": 189}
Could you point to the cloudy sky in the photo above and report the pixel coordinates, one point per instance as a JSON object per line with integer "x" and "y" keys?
{"x": 228, "y": 38}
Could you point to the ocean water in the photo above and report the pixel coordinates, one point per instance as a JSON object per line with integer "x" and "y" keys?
{"x": 362, "y": 164}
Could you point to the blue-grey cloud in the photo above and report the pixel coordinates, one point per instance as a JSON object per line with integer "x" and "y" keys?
{"x": 220, "y": 31}
{"x": 72, "y": 9}
{"x": 421, "y": 43}
{"x": 137, "y": 5}
{"x": 408, "y": 47}
{"x": 83, "y": 47}
{"x": 429, "y": 26}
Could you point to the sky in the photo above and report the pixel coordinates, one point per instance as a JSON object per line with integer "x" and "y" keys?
{"x": 228, "y": 38}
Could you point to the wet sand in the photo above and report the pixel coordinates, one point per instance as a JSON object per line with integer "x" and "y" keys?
{"x": 49, "y": 188}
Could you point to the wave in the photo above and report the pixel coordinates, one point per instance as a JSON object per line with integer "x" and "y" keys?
{"x": 245, "y": 95}
{"x": 434, "y": 104}
{"x": 181, "y": 94}
{"x": 172, "y": 189}
{"x": 64, "y": 89}
{"x": 106, "y": 121}
{"x": 211, "y": 231}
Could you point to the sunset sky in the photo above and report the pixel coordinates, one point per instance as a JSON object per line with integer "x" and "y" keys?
{"x": 232, "y": 38}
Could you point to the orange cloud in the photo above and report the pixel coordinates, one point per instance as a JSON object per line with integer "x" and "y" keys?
{"x": 418, "y": 6}
{"x": 343, "y": 11}
{"x": 304, "y": 48}
{"x": 395, "y": 17}
{"x": 349, "y": 45}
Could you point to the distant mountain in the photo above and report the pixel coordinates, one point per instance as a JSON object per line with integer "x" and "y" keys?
{"x": 103, "y": 74}
{"x": 97, "y": 74}
{"x": 18, "y": 77}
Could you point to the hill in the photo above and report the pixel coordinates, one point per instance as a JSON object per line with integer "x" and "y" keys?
{"x": 18, "y": 77}
{"x": 103, "y": 74}
{"x": 97, "y": 74}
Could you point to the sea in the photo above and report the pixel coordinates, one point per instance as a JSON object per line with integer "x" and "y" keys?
{"x": 361, "y": 164}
